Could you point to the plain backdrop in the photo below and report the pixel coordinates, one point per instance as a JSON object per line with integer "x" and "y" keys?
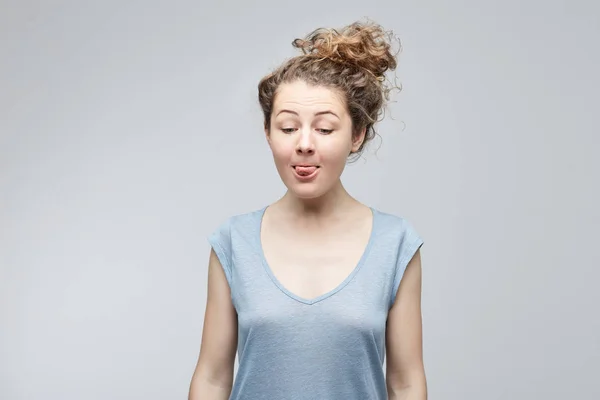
{"x": 129, "y": 130}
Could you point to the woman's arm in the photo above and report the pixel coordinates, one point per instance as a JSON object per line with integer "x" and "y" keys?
{"x": 405, "y": 373}
{"x": 213, "y": 375}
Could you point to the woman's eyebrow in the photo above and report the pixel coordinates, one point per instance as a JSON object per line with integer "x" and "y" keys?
{"x": 317, "y": 113}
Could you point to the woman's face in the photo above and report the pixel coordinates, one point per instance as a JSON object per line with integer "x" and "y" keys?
{"x": 311, "y": 138}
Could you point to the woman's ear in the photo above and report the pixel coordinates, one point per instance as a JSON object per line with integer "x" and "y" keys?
{"x": 357, "y": 140}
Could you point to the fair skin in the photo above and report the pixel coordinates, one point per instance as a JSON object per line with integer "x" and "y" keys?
{"x": 311, "y": 127}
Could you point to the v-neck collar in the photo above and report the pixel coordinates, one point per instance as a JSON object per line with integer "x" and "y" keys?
{"x": 259, "y": 220}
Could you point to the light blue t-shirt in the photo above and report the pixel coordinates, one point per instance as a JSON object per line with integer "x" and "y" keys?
{"x": 328, "y": 348}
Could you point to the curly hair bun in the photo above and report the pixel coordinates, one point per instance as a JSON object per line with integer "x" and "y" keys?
{"x": 365, "y": 45}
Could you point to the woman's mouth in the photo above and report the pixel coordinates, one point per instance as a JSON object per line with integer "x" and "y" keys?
{"x": 305, "y": 172}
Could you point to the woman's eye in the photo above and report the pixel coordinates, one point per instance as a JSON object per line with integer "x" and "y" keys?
{"x": 291, "y": 130}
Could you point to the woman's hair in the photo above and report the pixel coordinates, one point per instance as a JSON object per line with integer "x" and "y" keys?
{"x": 352, "y": 61}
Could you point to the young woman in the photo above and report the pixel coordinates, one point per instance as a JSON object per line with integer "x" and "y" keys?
{"x": 315, "y": 290}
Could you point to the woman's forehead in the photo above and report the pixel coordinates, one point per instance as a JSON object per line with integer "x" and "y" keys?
{"x": 303, "y": 97}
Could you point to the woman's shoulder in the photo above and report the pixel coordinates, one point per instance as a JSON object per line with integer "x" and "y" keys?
{"x": 394, "y": 224}
{"x": 390, "y": 218}
{"x": 241, "y": 220}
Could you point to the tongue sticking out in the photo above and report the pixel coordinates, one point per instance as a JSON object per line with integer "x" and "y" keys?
{"x": 305, "y": 171}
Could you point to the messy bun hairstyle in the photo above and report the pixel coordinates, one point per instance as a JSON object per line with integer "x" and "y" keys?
{"x": 352, "y": 60}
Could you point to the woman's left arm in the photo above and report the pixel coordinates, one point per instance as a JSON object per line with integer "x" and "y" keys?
{"x": 405, "y": 372}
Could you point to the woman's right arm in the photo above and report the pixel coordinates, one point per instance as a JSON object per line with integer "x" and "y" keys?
{"x": 213, "y": 375}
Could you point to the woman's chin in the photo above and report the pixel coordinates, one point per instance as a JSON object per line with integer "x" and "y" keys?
{"x": 306, "y": 191}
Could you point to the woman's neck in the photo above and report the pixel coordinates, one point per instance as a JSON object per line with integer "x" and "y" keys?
{"x": 331, "y": 205}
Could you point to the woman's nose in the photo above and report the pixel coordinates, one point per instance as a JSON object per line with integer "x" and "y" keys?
{"x": 305, "y": 144}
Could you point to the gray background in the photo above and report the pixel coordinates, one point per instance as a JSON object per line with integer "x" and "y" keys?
{"x": 130, "y": 129}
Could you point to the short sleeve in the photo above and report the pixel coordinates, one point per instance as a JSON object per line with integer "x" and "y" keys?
{"x": 220, "y": 241}
{"x": 410, "y": 242}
